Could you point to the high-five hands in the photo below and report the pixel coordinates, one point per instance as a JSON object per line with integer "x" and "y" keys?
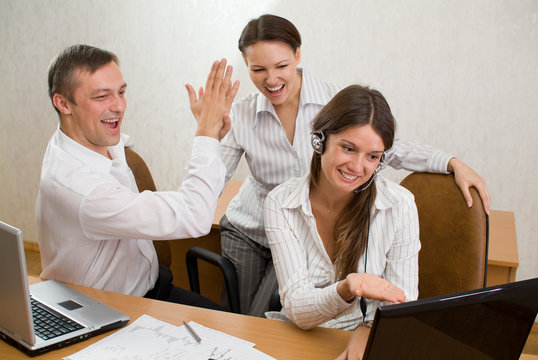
{"x": 211, "y": 107}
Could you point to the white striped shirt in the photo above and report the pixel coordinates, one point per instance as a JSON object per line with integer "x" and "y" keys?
{"x": 257, "y": 132}
{"x": 305, "y": 273}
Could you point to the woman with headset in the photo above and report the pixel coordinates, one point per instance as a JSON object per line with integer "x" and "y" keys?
{"x": 343, "y": 238}
{"x": 272, "y": 129}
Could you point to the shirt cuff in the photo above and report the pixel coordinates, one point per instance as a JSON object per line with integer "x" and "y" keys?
{"x": 335, "y": 300}
{"x": 438, "y": 162}
{"x": 205, "y": 145}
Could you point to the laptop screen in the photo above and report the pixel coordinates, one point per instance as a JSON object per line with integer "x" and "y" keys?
{"x": 14, "y": 296}
{"x": 491, "y": 323}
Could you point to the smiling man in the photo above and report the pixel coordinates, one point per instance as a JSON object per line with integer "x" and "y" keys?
{"x": 94, "y": 228}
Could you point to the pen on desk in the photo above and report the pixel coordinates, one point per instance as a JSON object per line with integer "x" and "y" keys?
{"x": 192, "y": 332}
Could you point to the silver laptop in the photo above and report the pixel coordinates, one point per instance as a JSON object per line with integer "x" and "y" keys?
{"x": 46, "y": 315}
{"x": 484, "y": 324}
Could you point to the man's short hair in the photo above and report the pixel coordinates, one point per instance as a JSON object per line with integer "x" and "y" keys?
{"x": 62, "y": 70}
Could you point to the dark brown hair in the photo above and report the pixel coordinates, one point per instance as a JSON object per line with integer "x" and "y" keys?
{"x": 62, "y": 78}
{"x": 353, "y": 106}
{"x": 269, "y": 27}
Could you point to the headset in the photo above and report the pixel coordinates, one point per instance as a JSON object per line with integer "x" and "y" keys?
{"x": 318, "y": 144}
{"x": 318, "y": 141}
{"x": 380, "y": 167}
{"x": 362, "y": 300}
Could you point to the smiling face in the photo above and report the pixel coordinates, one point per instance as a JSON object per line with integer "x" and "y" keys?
{"x": 94, "y": 117}
{"x": 350, "y": 158}
{"x": 272, "y": 67}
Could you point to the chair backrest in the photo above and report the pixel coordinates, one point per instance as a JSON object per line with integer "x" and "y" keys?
{"x": 454, "y": 237}
{"x": 144, "y": 181}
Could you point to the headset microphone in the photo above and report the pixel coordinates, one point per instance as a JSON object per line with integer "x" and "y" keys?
{"x": 380, "y": 166}
{"x": 361, "y": 188}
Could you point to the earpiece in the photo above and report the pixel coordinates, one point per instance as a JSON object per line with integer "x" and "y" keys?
{"x": 318, "y": 141}
{"x": 380, "y": 166}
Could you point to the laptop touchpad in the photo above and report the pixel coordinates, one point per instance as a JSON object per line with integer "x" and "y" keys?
{"x": 70, "y": 305}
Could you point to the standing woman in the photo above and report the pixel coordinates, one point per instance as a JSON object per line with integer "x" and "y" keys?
{"x": 272, "y": 129}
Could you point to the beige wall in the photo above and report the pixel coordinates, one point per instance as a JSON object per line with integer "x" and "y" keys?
{"x": 460, "y": 75}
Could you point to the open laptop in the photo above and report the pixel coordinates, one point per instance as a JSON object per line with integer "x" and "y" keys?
{"x": 489, "y": 323}
{"x": 50, "y": 300}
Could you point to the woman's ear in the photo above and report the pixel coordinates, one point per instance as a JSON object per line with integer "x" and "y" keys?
{"x": 245, "y": 60}
{"x": 61, "y": 103}
{"x": 298, "y": 55}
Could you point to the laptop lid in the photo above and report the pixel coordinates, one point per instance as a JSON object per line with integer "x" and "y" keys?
{"x": 489, "y": 323}
{"x": 16, "y": 321}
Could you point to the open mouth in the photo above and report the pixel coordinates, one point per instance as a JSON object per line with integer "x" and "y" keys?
{"x": 275, "y": 91}
{"x": 348, "y": 177}
{"x": 110, "y": 123}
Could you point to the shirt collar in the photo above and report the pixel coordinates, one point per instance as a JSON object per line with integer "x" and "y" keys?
{"x": 309, "y": 95}
{"x": 299, "y": 195}
{"x": 89, "y": 157}
{"x": 385, "y": 197}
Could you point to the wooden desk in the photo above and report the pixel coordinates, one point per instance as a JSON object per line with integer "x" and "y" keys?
{"x": 502, "y": 258}
{"x": 279, "y": 339}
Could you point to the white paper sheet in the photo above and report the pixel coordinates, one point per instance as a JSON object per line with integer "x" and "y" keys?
{"x": 149, "y": 338}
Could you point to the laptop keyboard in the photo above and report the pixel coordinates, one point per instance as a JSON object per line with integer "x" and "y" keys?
{"x": 49, "y": 324}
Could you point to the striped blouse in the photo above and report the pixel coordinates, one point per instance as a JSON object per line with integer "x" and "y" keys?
{"x": 257, "y": 133}
{"x": 305, "y": 273}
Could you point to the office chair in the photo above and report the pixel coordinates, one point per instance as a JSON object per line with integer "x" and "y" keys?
{"x": 228, "y": 272}
{"x": 144, "y": 181}
{"x": 454, "y": 238}
{"x": 225, "y": 266}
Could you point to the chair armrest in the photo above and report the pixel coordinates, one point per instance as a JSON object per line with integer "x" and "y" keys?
{"x": 274, "y": 302}
{"x": 226, "y": 267}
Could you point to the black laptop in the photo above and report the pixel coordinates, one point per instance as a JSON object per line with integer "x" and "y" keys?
{"x": 490, "y": 323}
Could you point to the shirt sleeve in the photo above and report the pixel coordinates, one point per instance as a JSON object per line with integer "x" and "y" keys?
{"x": 231, "y": 151}
{"x": 402, "y": 258}
{"x": 417, "y": 157}
{"x": 304, "y": 304}
{"x": 112, "y": 211}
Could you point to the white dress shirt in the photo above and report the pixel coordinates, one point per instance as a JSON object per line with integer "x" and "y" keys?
{"x": 257, "y": 132}
{"x": 95, "y": 228}
{"x": 305, "y": 273}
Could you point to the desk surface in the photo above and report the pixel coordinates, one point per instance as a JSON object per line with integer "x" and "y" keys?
{"x": 279, "y": 339}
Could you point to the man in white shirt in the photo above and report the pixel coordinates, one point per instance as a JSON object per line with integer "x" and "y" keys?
{"x": 94, "y": 227}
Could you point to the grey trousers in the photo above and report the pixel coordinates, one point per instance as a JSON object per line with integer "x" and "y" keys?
{"x": 254, "y": 267}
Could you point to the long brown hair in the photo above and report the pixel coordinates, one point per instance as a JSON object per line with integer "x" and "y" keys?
{"x": 353, "y": 106}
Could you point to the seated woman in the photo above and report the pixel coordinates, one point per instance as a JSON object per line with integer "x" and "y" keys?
{"x": 342, "y": 238}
